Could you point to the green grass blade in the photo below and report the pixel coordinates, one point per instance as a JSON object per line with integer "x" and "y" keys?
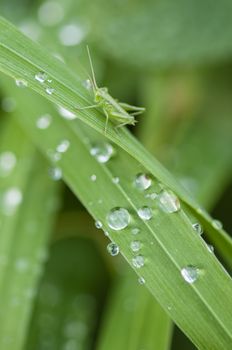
{"x": 22, "y": 58}
{"x": 168, "y": 241}
{"x": 24, "y": 234}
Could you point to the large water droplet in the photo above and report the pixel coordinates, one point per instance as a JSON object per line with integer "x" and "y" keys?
{"x": 145, "y": 213}
{"x": 113, "y": 249}
{"x": 102, "y": 152}
{"x": 118, "y": 218}
{"x": 190, "y": 273}
{"x": 49, "y": 90}
{"x": 98, "y": 224}
{"x": 168, "y": 202}
{"x": 7, "y": 163}
{"x": 135, "y": 246}
{"x": 198, "y": 228}
{"x": 142, "y": 181}
{"x": 63, "y": 146}
{"x": 138, "y": 261}
{"x": 44, "y": 121}
{"x": 41, "y": 77}
{"x": 21, "y": 83}
{"x": 66, "y": 114}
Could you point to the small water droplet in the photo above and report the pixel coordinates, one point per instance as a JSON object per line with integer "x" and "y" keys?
{"x": 135, "y": 230}
{"x": 44, "y": 121}
{"x": 113, "y": 249}
{"x": 7, "y": 163}
{"x": 210, "y": 248}
{"x": 93, "y": 177}
{"x": 66, "y": 114}
{"x": 102, "y": 152}
{"x": 168, "y": 202}
{"x": 145, "y": 213}
{"x": 118, "y": 218}
{"x": 151, "y": 195}
{"x": 116, "y": 180}
{"x": 141, "y": 280}
{"x": 142, "y": 181}
{"x": 71, "y": 34}
{"x": 63, "y": 146}
{"x": 21, "y": 83}
{"x": 138, "y": 261}
{"x": 190, "y": 274}
{"x": 217, "y": 224}
{"x": 55, "y": 173}
{"x": 49, "y": 90}
{"x": 41, "y": 77}
{"x": 11, "y": 199}
{"x": 98, "y": 224}
{"x": 87, "y": 84}
{"x": 198, "y": 228}
{"x": 50, "y": 13}
{"x": 135, "y": 246}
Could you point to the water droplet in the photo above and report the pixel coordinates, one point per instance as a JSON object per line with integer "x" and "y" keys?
{"x": 210, "y": 248}
{"x": 151, "y": 195}
{"x": 50, "y": 13}
{"x": 116, "y": 180}
{"x": 93, "y": 177}
{"x": 145, "y": 213}
{"x": 143, "y": 181}
{"x": 11, "y": 199}
{"x": 138, "y": 261}
{"x": 118, "y": 218}
{"x": 102, "y": 152}
{"x": 135, "y": 231}
{"x": 55, "y": 173}
{"x": 7, "y": 163}
{"x": 113, "y": 249}
{"x": 87, "y": 84}
{"x": 41, "y": 77}
{"x": 49, "y": 90}
{"x": 217, "y": 224}
{"x": 71, "y": 34}
{"x": 198, "y": 228}
{"x": 190, "y": 274}
{"x": 168, "y": 202}
{"x": 21, "y": 83}
{"x": 135, "y": 246}
{"x": 44, "y": 121}
{"x": 63, "y": 146}
{"x": 98, "y": 224}
{"x": 64, "y": 113}
{"x": 141, "y": 280}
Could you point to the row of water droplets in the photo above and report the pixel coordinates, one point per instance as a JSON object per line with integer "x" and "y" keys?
{"x": 119, "y": 218}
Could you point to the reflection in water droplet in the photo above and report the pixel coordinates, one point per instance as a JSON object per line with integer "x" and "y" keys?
{"x": 21, "y": 83}
{"x": 142, "y": 182}
{"x": 168, "y": 202}
{"x": 118, "y": 218}
{"x": 135, "y": 246}
{"x": 113, "y": 249}
{"x": 41, "y": 77}
{"x": 145, "y": 213}
{"x": 44, "y": 121}
{"x": 190, "y": 273}
{"x": 138, "y": 261}
{"x": 197, "y": 227}
{"x": 102, "y": 152}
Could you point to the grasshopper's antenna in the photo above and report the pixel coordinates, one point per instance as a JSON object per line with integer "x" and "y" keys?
{"x": 91, "y": 66}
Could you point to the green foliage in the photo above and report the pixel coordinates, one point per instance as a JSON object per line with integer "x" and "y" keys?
{"x": 182, "y": 120}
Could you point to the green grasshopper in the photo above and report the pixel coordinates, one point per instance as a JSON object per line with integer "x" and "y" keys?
{"x": 118, "y": 112}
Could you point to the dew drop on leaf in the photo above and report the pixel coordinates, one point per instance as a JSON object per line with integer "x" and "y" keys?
{"x": 142, "y": 182}
{"x": 198, "y": 228}
{"x": 11, "y": 199}
{"x": 135, "y": 230}
{"x": 138, "y": 261}
{"x": 7, "y": 163}
{"x": 135, "y": 246}
{"x": 41, "y": 77}
{"x": 145, "y": 213}
{"x": 44, "y": 121}
{"x": 118, "y": 218}
{"x": 217, "y": 224}
{"x": 141, "y": 280}
{"x": 63, "y": 146}
{"x": 168, "y": 202}
{"x": 21, "y": 83}
{"x": 190, "y": 273}
{"x": 113, "y": 249}
{"x": 49, "y": 90}
{"x": 98, "y": 224}
{"x": 93, "y": 177}
{"x": 102, "y": 151}
{"x": 55, "y": 173}
{"x": 66, "y": 114}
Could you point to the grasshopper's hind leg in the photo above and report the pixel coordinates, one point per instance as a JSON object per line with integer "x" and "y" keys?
{"x": 130, "y": 108}
{"x": 107, "y": 119}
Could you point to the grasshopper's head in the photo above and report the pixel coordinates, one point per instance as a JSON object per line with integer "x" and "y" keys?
{"x": 100, "y": 94}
